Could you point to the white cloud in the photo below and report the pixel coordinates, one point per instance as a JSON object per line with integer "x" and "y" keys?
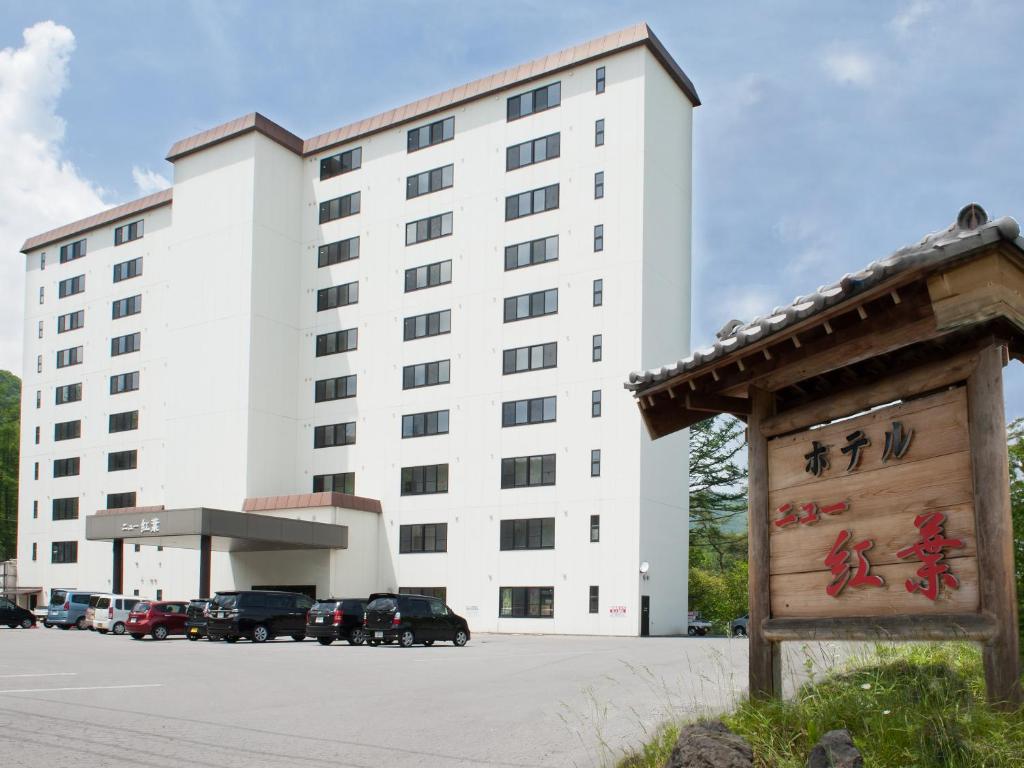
{"x": 850, "y": 68}
{"x": 39, "y": 189}
{"x": 911, "y": 14}
{"x": 149, "y": 181}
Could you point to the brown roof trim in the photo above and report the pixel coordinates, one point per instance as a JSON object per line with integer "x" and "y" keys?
{"x": 108, "y": 216}
{"x": 302, "y": 500}
{"x": 130, "y": 510}
{"x": 254, "y": 121}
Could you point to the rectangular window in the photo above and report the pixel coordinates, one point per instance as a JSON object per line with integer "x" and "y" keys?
{"x": 430, "y": 324}
{"x": 67, "y": 430}
{"x": 433, "y": 133}
{"x": 65, "y": 509}
{"x": 594, "y": 600}
{"x": 127, "y": 269}
{"x": 337, "y": 388}
{"x": 339, "y": 482}
{"x": 39, "y": 363}
{"x": 432, "y": 478}
{"x": 40, "y": 329}
{"x": 128, "y": 232}
{"x": 66, "y": 357}
{"x": 532, "y": 152}
{"x": 42, "y": 261}
{"x": 599, "y": 133}
{"x": 124, "y": 382}
{"x": 595, "y": 528}
{"x": 35, "y": 551}
{"x": 69, "y": 393}
{"x": 526, "y": 602}
{"x": 120, "y": 500}
{"x": 72, "y": 251}
{"x": 339, "y": 207}
{"x": 532, "y": 252}
{"x": 68, "y": 287}
{"x": 430, "y": 228}
{"x": 125, "y": 307}
{"x": 426, "y": 374}
{"x": 37, "y": 435}
{"x": 529, "y": 203}
{"x": 337, "y": 296}
{"x": 429, "y": 537}
{"x": 122, "y": 345}
{"x": 598, "y": 237}
{"x": 336, "y": 342}
{"x": 536, "y": 533}
{"x": 599, "y": 185}
{"x": 536, "y": 410}
{"x": 35, "y": 471}
{"x": 598, "y": 88}
{"x": 35, "y": 509}
{"x": 537, "y": 100}
{"x": 598, "y": 292}
{"x": 520, "y": 359}
{"x": 528, "y": 471}
{"x": 530, "y": 305}
{"x": 330, "y": 435}
{"x": 595, "y": 462}
{"x": 596, "y": 348}
{"x": 441, "y": 593}
{"x": 595, "y": 403}
{"x": 427, "y": 276}
{"x": 66, "y": 467}
{"x": 343, "y": 162}
{"x": 335, "y": 253}
{"x": 118, "y": 461}
{"x": 64, "y": 552}
{"x": 42, "y": 293}
{"x": 429, "y": 181}
{"x": 39, "y": 398}
{"x": 70, "y": 322}
{"x": 424, "y": 424}
{"x": 124, "y": 421}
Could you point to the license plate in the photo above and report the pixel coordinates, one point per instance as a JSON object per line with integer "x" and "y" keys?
{"x": 378, "y": 634}
{"x": 132, "y": 621}
{"x": 319, "y": 619}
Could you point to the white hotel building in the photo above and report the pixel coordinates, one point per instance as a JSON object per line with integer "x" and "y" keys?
{"x": 412, "y": 331}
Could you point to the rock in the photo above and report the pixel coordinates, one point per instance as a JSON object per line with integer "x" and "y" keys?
{"x": 835, "y": 750}
{"x": 710, "y": 745}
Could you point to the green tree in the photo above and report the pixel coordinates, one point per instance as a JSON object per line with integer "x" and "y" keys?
{"x": 1015, "y": 435}
{"x": 10, "y": 425}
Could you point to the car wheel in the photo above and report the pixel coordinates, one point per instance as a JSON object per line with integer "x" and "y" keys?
{"x": 193, "y": 638}
{"x": 461, "y": 638}
{"x": 373, "y": 643}
{"x": 691, "y": 631}
{"x": 230, "y": 639}
{"x": 102, "y": 631}
{"x": 118, "y": 628}
{"x": 406, "y": 639}
{"x": 260, "y": 634}
{"x": 428, "y": 643}
{"x": 325, "y": 640}
{"x": 64, "y": 626}
{"x": 357, "y": 636}
{"x": 136, "y": 636}
{"x": 739, "y": 632}
{"x": 47, "y": 624}
{"x": 80, "y": 624}
{"x": 159, "y": 632}
{"x": 298, "y": 638}
{"x": 12, "y": 626}
{"x": 27, "y": 623}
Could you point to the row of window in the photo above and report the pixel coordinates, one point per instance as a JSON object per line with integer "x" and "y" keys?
{"x": 72, "y": 393}
{"x": 76, "y": 250}
{"x": 75, "y": 285}
{"x": 117, "y": 461}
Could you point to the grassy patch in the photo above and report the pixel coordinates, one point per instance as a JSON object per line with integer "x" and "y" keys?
{"x": 920, "y": 705}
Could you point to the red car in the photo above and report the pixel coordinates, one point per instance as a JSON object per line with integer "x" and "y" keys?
{"x": 159, "y": 618}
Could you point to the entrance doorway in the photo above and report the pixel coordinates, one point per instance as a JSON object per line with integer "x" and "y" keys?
{"x": 645, "y": 616}
{"x": 309, "y": 590}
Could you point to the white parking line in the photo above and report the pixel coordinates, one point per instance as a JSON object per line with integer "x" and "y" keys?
{"x": 44, "y": 674}
{"x": 84, "y": 688}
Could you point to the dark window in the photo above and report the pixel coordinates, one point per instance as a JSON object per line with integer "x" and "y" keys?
{"x": 340, "y": 482}
{"x": 599, "y": 88}
{"x": 35, "y": 551}
{"x": 429, "y": 181}
{"x": 596, "y": 348}
{"x": 526, "y": 602}
{"x": 432, "y": 478}
{"x": 40, "y": 329}
{"x": 521, "y": 359}
{"x": 124, "y": 382}
{"x": 598, "y": 292}
{"x": 536, "y": 410}
{"x": 71, "y": 321}
{"x": 160, "y": 594}
{"x": 599, "y": 133}
{"x": 67, "y": 430}
{"x": 127, "y": 269}
{"x": 120, "y": 500}
{"x": 343, "y": 162}
{"x": 71, "y": 251}
{"x": 532, "y": 252}
{"x": 124, "y": 422}
{"x": 42, "y": 293}
{"x": 66, "y": 357}
{"x": 594, "y": 600}
{"x": 536, "y": 100}
{"x": 64, "y": 552}
{"x": 69, "y": 287}
{"x": 426, "y": 374}
{"x": 595, "y": 403}
{"x": 595, "y": 462}
{"x": 330, "y": 435}
{"x": 595, "y": 528}
{"x": 35, "y": 509}
{"x": 441, "y": 593}
{"x": 429, "y": 228}
{"x": 125, "y": 307}
{"x": 337, "y": 341}
{"x": 535, "y": 533}
{"x": 433, "y": 133}
{"x": 424, "y": 424}
{"x": 122, "y": 345}
{"x": 37, "y": 435}
{"x": 69, "y": 393}
{"x": 35, "y": 471}
{"x": 39, "y": 363}
{"x": 65, "y": 509}
{"x": 430, "y": 537}
{"x": 526, "y": 471}
{"x": 529, "y": 305}
{"x": 598, "y": 237}
{"x": 39, "y": 398}
{"x": 532, "y": 152}
{"x": 337, "y": 388}
{"x": 335, "y": 253}
{"x": 430, "y": 324}
{"x": 529, "y": 203}
{"x": 339, "y": 207}
{"x": 599, "y": 185}
{"x": 118, "y": 461}
{"x": 337, "y": 296}
{"x": 66, "y": 467}
{"x": 128, "y": 232}
{"x": 428, "y": 276}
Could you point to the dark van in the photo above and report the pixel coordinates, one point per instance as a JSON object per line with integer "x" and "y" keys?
{"x": 337, "y": 618}
{"x": 411, "y": 619}
{"x": 259, "y": 615}
{"x": 195, "y": 621}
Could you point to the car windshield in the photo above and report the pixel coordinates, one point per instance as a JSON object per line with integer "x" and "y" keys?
{"x": 324, "y": 606}
{"x": 103, "y": 602}
{"x": 386, "y": 604}
{"x": 225, "y": 602}
{"x": 58, "y": 596}
{"x": 141, "y": 607}
{"x": 93, "y": 600}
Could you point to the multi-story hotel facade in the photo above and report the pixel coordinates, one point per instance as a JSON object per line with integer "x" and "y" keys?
{"x": 413, "y": 329}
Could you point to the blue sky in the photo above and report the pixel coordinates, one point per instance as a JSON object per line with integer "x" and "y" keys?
{"x": 831, "y": 134}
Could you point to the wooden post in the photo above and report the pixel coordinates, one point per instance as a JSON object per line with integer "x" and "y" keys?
{"x": 765, "y": 657}
{"x": 205, "y": 549}
{"x": 117, "y": 571}
{"x": 990, "y": 470}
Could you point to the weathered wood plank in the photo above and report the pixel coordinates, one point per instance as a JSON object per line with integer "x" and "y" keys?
{"x": 981, "y": 290}
{"x": 967, "y": 626}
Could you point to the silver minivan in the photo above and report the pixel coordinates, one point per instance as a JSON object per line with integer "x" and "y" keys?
{"x": 67, "y": 608}
{"x": 111, "y": 613}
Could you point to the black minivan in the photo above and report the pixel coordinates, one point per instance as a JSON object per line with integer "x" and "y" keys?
{"x": 413, "y": 619}
{"x": 259, "y": 615}
{"x": 337, "y": 618}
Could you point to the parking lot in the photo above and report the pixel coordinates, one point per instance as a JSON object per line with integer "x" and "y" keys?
{"x": 79, "y": 698}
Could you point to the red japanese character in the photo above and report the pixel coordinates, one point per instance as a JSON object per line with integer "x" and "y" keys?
{"x": 929, "y": 550}
{"x": 837, "y": 561}
{"x": 810, "y": 511}
{"x": 788, "y": 515}
{"x": 835, "y": 509}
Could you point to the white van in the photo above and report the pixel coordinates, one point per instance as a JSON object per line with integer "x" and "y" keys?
{"x": 111, "y": 613}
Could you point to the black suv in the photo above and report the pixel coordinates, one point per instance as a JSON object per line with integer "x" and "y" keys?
{"x": 14, "y": 615}
{"x": 413, "y": 619}
{"x": 259, "y": 615}
{"x": 337, "y": 618}
{"x": 195, "y": 622}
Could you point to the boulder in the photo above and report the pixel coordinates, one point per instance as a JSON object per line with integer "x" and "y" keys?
{"x": 835, "y": 750}
{"x": 710, "y": 745}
